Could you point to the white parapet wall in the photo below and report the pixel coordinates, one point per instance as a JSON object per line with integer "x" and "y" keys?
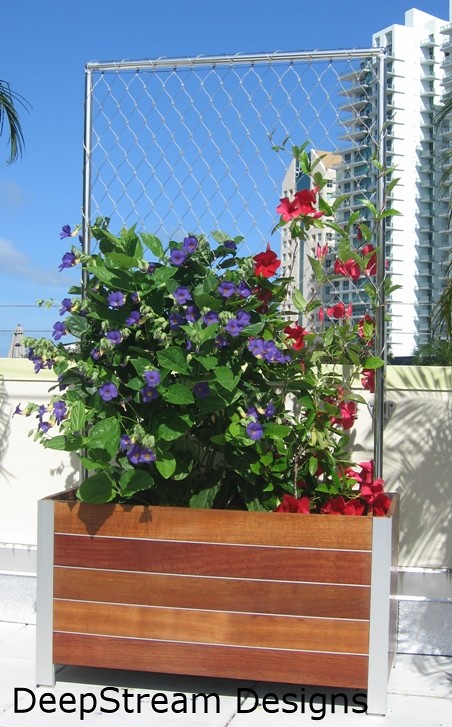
{"x": 417, "y": 465}
{"x": 27, "y": 473}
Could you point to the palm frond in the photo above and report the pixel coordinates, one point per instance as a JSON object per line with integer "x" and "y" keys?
{"x": 9, "y": 100}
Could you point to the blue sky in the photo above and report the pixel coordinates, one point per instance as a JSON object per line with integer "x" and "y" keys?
{"x": 45, "y": 46}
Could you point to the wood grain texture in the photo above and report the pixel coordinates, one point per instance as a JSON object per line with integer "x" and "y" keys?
{"x": 231, "y": 561}
{"x": 293, "y": 599}
{"x": 217, "y": 526}
{"x": 247, "y": 664}
{"x": 213, "y": 627}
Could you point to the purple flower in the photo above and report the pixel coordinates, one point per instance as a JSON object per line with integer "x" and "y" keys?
{"x": 192, "y": 313}
{"x": 270, "y": 410}
{"x": 116, "y": 299}
{"x": 59, "y": 330}
{"x": 108, "y": 391}
{"x": 44, "y": 426}
{"x": 95, "y": 354}
{"x": 149, "y": 394}
{"x": 178, "y": 257}
{"x": 255, "y": 430}
{"x": 68, "y": 261}
{"x": 147, "y": 455}
{"x": 65, "y": 232}
{"x": 182, "y": 295}
{"x": 17, "y": 410}
{"x": 176, "y": 320}
{"x": 230, "y": 245}
{"x": 233, "y": 327}
{"x": 114, "y": 336}
{"x": 135, "y": 297}
{"x": 134, "y": 453}
{"x": 59, "y": 411}
{"x": 138, "y": 454}
{"x": 221, "y": 342}
{"x": 256, "y": 346}
{"x": 226, "y": 289}
{"x": 151, "y": 268}
{"x": 243, "y": 290}
{"x": 252, "y": 412}
{"x": 133, "y": 318}
{"x": 152, "y": 378}
{"x": 201, "y": 389}
{"x": 190, "y": 243}
{"x": 125, "y": 442}
{"x": 244, "y": 317}
{"x": 210, "y": 317}
{"x": 66, "y": 305}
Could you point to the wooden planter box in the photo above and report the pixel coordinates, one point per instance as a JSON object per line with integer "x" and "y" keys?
{"x": 248, "y": 596}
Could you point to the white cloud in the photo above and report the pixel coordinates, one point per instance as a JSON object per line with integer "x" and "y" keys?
{"x": 11, "y": 195}
{"x": 14, "y": 263}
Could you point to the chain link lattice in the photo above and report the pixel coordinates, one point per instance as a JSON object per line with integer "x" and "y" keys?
{"x": 181, "y": 147}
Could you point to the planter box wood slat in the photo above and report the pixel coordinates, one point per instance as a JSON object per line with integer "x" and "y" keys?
{"x": 208, "y": 660}
{"x": 213, "y": 627}
{"x": 204, "y": 559}
{"x": 241, "y": 595}
{"x": 293, "y": 599}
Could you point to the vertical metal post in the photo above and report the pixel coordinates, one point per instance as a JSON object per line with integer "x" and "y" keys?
{"x": 87, "y": 149}
{"x": 380, "y": 318}
{"x": 45, "y": 670}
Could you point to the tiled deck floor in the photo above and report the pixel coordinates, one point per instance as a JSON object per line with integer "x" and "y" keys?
{"x": 420, "y": 695}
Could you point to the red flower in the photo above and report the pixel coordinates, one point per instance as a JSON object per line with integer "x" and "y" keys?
{"x": 374, "y": 495}
{"x": 266, "y": 263}
{"x": 380, "y": 505}
{"x": 338, "y": 310}
{"x": 321, "y": 251}
{"x": 297, "y": 333}
{"x": 290, "y": 503}
{"x": 349, "y": 268}
{"x": 302, "y": 204}
{"x": 368, "y": 380}
{"x": 265, "y": 297}
{"x": 371, "y": 267}
{"x": 339, "y": 506}
{"x": 348, "y": 411}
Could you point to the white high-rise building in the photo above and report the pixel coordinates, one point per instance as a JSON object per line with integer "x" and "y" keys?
{"x": 414, "y": 86}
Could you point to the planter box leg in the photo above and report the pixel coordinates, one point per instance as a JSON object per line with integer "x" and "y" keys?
{"x": 45, "y": 669}
{"x": 383, "y": 615}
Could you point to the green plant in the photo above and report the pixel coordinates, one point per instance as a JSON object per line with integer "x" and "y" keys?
{"x": 187, "y": 385}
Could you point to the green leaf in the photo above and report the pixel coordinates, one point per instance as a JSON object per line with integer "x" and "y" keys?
{"x": 166, "y": 466}
{"x": 77, "y": 417}
{"x": 373, "y": 362}
{"x": 317, "y": 269}
{"x": 226, "y": 378}
{"x": 298, "y": 300}
{"x": 62, "y": 442}
{"x": 313, "y": 465}
{"x": 135, "y": 481}
{"x": 77, "y": 325}
{"x": 179, "y": 394}
{"x": 124, "y": 262}
{"x": 97, "y": 489}
{"x": 278, "y": 431}
{"x": 209, "y": 362}
{"x": 153, "y": 244}
{"x": 104, "y": 435}
{"x": 173, "y": 359}
{"x": 205, "y": 498}
{"x": 172, "y": 426}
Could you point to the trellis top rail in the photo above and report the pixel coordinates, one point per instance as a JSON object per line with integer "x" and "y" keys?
{"x": 256, "y": 58}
